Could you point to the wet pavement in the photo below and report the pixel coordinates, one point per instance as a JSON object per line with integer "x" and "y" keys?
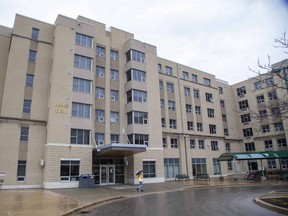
{"x": 68, "y": 201}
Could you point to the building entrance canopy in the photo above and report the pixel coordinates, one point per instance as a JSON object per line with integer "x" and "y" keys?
{"x": 119, "y": 150}
{"x": 253, "y": 155}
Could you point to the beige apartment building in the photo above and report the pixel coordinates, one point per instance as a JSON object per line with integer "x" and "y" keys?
{"x": 78, "y": 98}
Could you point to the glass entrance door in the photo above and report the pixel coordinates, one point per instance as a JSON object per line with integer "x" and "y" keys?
{"x": 107, "y": 174}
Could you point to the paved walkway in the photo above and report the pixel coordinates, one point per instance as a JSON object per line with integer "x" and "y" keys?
{"x": 65, "y": 201}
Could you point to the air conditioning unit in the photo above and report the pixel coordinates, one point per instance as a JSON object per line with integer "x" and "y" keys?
{"x": 142, "y": 60}
{"x": 113, "y": 77}
{"x": 163, "y": 125}
{"x": 100, "y": 142}
{"x": 211, "y": 100}
{"x": 101, "y": 119}
{"x": 143, "y": 79}
{"x": 113, "y": 120}
{"x": 113, "y": 98}
{"x": 146, "y": 142}
{"x": 102, "y": 54}
{"x": 101, "y": 74}
{"x": 101, "y": 96}
{"x": 144, "y": 99}
{"x": 241, "y": 95}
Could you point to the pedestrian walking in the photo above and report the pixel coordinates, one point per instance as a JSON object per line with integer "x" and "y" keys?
{"x": 139, "y": 174}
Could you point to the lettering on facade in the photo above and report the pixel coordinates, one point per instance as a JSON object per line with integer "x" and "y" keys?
{"x": 61, "y": 107}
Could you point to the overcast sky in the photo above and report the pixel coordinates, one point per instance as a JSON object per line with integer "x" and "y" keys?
{"x": 221, "y": 37}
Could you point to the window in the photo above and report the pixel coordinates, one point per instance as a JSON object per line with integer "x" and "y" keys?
{"x": 172, "y": 123}
{"x": 136, "y": 75}
{"x": 170, "y": 87}
{"x": 100, "y": 93}
{"x": 199, "y": 166}
{"x": 27, "y": 106}
{"x": 245, "y": 118}
{"x": 214, "y": 146}
{"x": 21, "y": 170}
{"x": 162, "y": 103}
{"x": 24, "y": 133}
{"x": 35, "y": 33}
{"x": 84, "y": 40}
{"x": 265, "y": 128}
{"x": 209, "y": 97}
{"x": 114, "y": 55}
{"x": 271, "y": 163}
{"x": 100, "y": 51}
{"x": 100, "y": 71}
{"x": 81, "y": 110}
{"x": 196, "y": 93}
{"x": 194, "y": 78}
{"x": 99, "y": 138}
{"x": 243, "y": 105}
{"x": 114, "y": 138}
{"x": 139, "y": 139}
{"x": 278, "y": 126}
{"x": 281, "y": 143}
{"x": 249, "y": 147}
{"x": 269, "y": 81}
{"x": 224, "y": 118}
{"x": 216, "y": 166}
{"x": 114, "y": 74}
{"x": 284, "y": 163}
{"x": 82, "y": 85}
{"x": 168, "y": 71}
{"x": 201, "y": 144}
{"x": 207, "y": 82}
{"x": 188, "y": 108}
{"x": 212, "y": 129}
{"x": 114, "y": 117}
{"x": 159, "y": 68}
{"x": 227, "y": 146}
{"x": 171, "y": 167}
{"x": 69, "y": 170}
{"x": 248, "y": 132}
{"x": 199, "y": 127}
{"x": 161, "y": 85}
{"x": 171, "y": 105}
{"x": 100, "y": 115}
{"x": 29, "y": 80}
{"x": 137, "y": 96}
{"x": 192, "y": 144}
{"x": 135, "y": 56}
{"x": 186, "y": 91}
{"x": 226, "y": 132}
{"x": 222, "y": 104}
{"x": 185, "y": 75}
{"x": 164, "y": 142}
{"x": 260, "y": 99}
{"x": 136, "y": 117}
{"x": 198, "y": 110}
{"x": 276, "y": 111}
{"x": 268, "y": 144}
{"x": 174, "y": 143}
{"x": 114, "y": 95}
{"x": 229, "y": 165}
{"x": 258, "y": 85}
{"x": 272, "y": 95}
{"x": 79, "y": 136}
{"x": 163, "y": 122}
{"x": 190, "y": 126}
{"x": 220, "y": 90}
{"x": 149, "y": 169}
{"x": 241, "y": 91}
{"x": 210, "y": 113}
{"x": 83, "y": 62}
{"x": 263, "y": 113}
{"x": 32, "y": 56}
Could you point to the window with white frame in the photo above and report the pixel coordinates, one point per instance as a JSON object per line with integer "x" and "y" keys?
{"x": 172, "y": 123}
{"x": 276, "y": 111}
{"x": 114, "y": 55}
{"x": 214, "y": 146}
{"x": 194, "y": 78}
{"x": 272, "y": 95}
{"x": 136, "y": 96}
{"x": 164, "y": 142}
{"x": 82, "y": 85}
{"x": 27, "y": 106}
{"x": 222, "y": 104}
{"x": 114, "y": 138}
{"x": 226, "y": 132}
{"x": 163, "y": 122}
{"x": 248, "y": 132}
{"x": 83, "y": 62}
{"x": 243, "y": 105}
{"x": 212, "y": 129}
{"x": 174, "y": 143}
{"x": 136, "y": 75}
{"x": 159, "y": 68}
{"x": 268, "y": 144}
{"x": 201, "y": 144}
{"x": 190, "y": 126}
{"x": 114, "y": 74}
{"x": 81, "y": 110}
{"x": 209, "y": 97}
{"x": 260, "y": 99}
{"x": 220, "y": 90}
{"x": 192, "y": 144}
{"x": 137, "y": 117}
{"x": 100, "y": 93}
{"x": 211, "y": 113}
{"x": 69, "y": 170}
{"x": 162, "y": 103}
{"x": 170, "y": 87}
{"x": 186, "y": 91}
{"x": 271, "y": 163}
{"x": 265, "y": 128}
{"x": 139, "y": 139}
{"x": 199, "y": 166}
{"x": 100, "y": 71}
{"x": 100, "y": 115}
{"x": 171, "y": 105}
{"x": 114, "y": 117}
{"x": 161, "y": 85}
{"x": 263, "y": 113}
{"x": 207, "y": 82}
{"x": 198, "y": 110}
{"x": 80, "y": 137}
{"x": 185, "y": 75}
{"x": 99, "y": 138}
{"x": 199, "y": 127}
{"x": 224, "y": 118}
{"x": 35, "y": 33}
{"x": 100, "y": 51}
{"x": 258, "y": 85}
{"x": 245, "y": 118}
{"x": 269, "y": 81}
{"x": 84, "y": 40}
{"x": 135, "y": 56}
{"x": 227, "y": 146}
{"x": 114, "y": 95}
{"x": 21, "y": 171}
{"x": 241, "y": 91}
{"x": 168, "y": 71}
{"x": 250, "y": 147}
{"x": 284, "y": 163}
{"x": 282, "y": 143}
{"x": 24, "y": 134}
{"x": 149, "y": 169}
{"x": 216, "y": 166}
{"x": 29, "y": 80}
{"x": 278, "y": 126}
{"x": 188, "y": 108}
{"x": 196, "y": 93}
{"x": 229, "y": 165}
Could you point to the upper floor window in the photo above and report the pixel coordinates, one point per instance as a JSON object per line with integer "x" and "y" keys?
{"x": 99, "y": 138}
{"x": 79, "y": 136}
{"x": 32, "y": 56}
{"x": 163, "y": 122}
{"x": 83, "y": 62}
{"x": 278, "y": 126}
{"x": 35, "y": 33}
{"x": 194, "y": 78}
{"x": 190, "y": 125}
{"x": 100, "y": 93}
{"x": 201, "y": 144}
{"x": 211, "y": 113}
{"x": 136, "y": 95}
{"x": 159, "y": 68}
{"x": 249, "y": 146}
{"x": 265, "y": 128}
{"x": 207, "y": 82}
{"x": 222, "y": 103}
{"x": 169, "y": 71}
{"x": 243, "y": 104}
{"x": 258, "y": 85}
{"x": 263, "y": 113}
{"x": 114, "y": 95}
{"x": 220, "y": 90}
{"x": 188, "y": 108}
{"x": 192, "y": 144}
{"x": 24, "y": 133}
{"x": 170, "y": 87}
{"x": 81, "y": 110}
{"x": 135, "y": 56}
{"x": 199, "y": 127}
{"x": 29, "y": 80}
{"x": 186, "y": 91}
{"x": 245, "y": 118}
{"x": 185, "y": 75}
{"x": 171, "y": 105}
{"x": 137, "y": 75}
{"x": 260, "y": 99}
{"x": 209, "y": 97}
{"x": 160, "y": 84}
{"x": 100, "y": 115}
{"x": 268, "y": 144}
{"x": 248, "y": 132}
{"x": 100, "y": 51}
{"x": 281, "y": 143}
{"x": 174, "y": 143}
{"x": 114, "y": 55}
{"x": 212, "y": 129}
{"x": 276, "y": 111}
{"x": 114, "y": 138}
{"x": 162, "y": 103}
{"x": 214, "y": 146}
{"x": 269, "y": 81}
{"x": 114, "y": 74}
{"x": 272, "y": 95}
{"x": 198, "y": 110}
{"x": 173, "y": 123}
{"x": 82, "y": 85}
{"x": 100, "y": 71}
{"x": 139, "y": 139}
{"x": 84, "y": 40}
{"x": 27, "y": 106}
{"x": 241, "y": 91}
{"x": 196, "y": 93}
{"x": 224, "y": 117}
{"x": 114, "y": 117}
{"x": 136, "y": 117}
{"x": 228, "y": 146}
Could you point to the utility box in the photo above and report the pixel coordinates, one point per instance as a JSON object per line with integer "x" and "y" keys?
{"x": 86, "y": 181}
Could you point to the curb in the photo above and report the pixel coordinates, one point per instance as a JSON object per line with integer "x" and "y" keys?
{"x": 269, "y": 206}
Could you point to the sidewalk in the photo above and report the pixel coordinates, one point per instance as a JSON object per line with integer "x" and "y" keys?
{"x": 65, "y": 201}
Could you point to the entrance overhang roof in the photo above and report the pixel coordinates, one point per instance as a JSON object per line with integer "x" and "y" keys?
{"x": 119, "y": 150}
{"x": 253, "y": 155}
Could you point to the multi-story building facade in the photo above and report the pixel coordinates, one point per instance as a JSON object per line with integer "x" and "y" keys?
{"x": 78, "y": 98}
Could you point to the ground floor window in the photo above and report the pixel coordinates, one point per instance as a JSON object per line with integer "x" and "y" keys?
{"x": 252, "y": 165}
{"x": 171, "y": 167}
{"x": 271, "y": 164}
{"x": 284, "y": 163}
{"x": 199, "y": 166}
{"x": 216, "y": 166}
{"x": 229, "y": 164}
{"x": 149, "y": 169}
{"x": 69, "y": 170}
{"x": 21, "y": 171}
